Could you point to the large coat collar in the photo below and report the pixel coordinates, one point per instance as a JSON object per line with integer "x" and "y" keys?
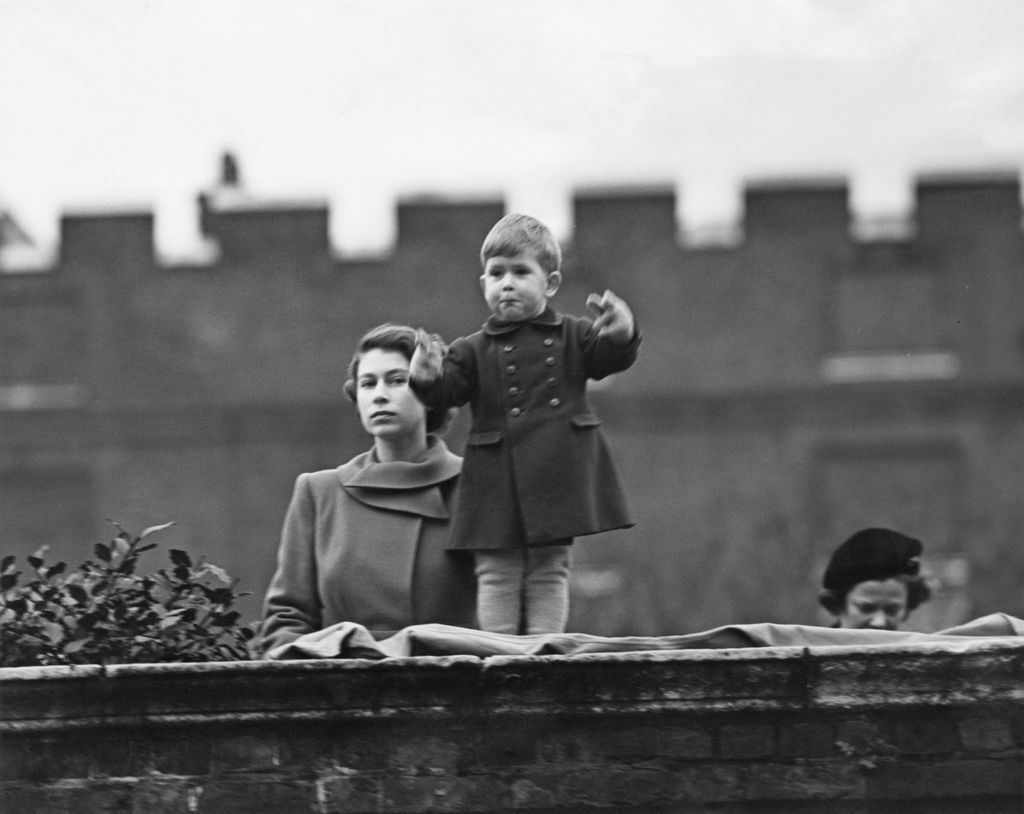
{"x": 402, "y": 486}
{"x": 496, "y": 327}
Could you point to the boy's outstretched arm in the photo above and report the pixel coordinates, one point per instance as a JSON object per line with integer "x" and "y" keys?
{"x": 612, "y": 317}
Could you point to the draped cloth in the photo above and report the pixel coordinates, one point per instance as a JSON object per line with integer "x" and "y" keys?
{"x": 349, "y": 640}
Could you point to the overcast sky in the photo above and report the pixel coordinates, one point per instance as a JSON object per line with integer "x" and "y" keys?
{"x": 116, "y": 103}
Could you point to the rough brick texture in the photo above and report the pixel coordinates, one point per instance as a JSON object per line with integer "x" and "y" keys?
{"x": 937, "y": 728}
{"x": 197, "y": 393}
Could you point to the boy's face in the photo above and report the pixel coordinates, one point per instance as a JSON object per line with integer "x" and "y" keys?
{"x": 517, "y": 288}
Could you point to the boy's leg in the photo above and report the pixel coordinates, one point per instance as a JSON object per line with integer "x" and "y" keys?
{"x": 547, "y": 588}
{"x": 499, "y": 585}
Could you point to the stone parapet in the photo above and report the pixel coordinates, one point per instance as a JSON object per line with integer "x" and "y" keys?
{"x": 934, "y": 727}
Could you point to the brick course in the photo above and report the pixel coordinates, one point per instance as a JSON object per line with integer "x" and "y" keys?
{"x": 260, "y": 737}
{"x": 197, "y": 392}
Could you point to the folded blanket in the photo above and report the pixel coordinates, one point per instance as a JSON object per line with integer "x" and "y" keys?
{"x": 348, "y": 640}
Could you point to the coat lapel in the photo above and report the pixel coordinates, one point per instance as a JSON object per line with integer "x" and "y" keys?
{"x": 412, "y": 487}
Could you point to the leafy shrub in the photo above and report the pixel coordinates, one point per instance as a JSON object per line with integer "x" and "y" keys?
{"x": 105, "y": 613}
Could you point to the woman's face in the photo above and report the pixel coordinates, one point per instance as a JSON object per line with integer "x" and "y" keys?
{"x": 388, "y": 409}
{"x": 877, "y": 604}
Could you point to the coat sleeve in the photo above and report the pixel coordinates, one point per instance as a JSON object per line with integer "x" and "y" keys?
{"x": 292, "y": 605}
{"x": 458, "y": 380}
{"x": 603, "y": 356}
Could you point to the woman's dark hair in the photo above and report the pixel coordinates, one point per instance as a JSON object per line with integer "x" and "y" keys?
{"x": 834, "y": 599}
{"x": 402, "y": 339}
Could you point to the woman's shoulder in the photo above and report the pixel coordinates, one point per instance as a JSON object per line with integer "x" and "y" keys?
{"x": 330, "y": 477}
{"x": 448, "y": 459}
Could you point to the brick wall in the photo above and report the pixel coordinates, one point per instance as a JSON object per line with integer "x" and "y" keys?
{"x": 196, "y": 393}
{"x": 924, "y": 728}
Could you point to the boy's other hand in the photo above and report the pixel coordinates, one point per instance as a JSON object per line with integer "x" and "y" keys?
{"x": 425, "y": 365}
{"x": 612, "y": 317}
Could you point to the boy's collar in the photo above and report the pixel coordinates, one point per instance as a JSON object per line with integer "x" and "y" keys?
{"x": 495, "y": 326}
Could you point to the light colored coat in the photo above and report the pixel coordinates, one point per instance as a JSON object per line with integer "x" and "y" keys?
{"x": 366, "y": 543}
{"x": 537, "y": 468}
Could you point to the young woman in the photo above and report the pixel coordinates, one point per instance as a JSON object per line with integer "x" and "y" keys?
{"x": 366, "y": 542}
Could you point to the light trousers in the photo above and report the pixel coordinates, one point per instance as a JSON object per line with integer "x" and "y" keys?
{"x": 523, "y": 590}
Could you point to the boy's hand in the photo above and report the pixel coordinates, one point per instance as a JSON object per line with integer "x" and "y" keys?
{"x": 425, "y": 365}
{"x": 612, "y": 317}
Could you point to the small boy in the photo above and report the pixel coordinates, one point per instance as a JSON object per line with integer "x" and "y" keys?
{"x": 537, "y": 470}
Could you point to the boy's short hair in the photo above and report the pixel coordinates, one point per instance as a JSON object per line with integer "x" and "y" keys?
{"x": 401, "y": 339}
{"x": 515, "y": 234}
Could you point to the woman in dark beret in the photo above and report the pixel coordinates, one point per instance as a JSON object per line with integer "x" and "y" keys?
{"x": 873, "y": 580}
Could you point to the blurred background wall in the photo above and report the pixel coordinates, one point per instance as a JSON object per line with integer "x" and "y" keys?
{"x": 801, "y": 376}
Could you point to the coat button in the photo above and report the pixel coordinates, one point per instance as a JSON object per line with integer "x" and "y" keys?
{"x": 549, "y": 342}
{"x": 555, "y": 402}
{"x": 509, "y": 348}
{"x": 550, "y": 361}
{"x": 511, "y": 369}
{"x": 513, "y": 390}
{"x": 515, "y": 411}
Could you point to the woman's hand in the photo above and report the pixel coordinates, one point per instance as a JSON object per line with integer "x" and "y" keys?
{"x": 425, "y": 365}
{"x": 613, "y": 319}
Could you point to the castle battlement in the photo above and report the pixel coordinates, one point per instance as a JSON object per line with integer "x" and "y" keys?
{"x": 792, "y": 383}
{"x": 642, "y": 217}
{"x": 798, "y": 287}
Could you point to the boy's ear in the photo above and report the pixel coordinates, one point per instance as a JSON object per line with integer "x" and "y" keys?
{"x": 554, "y": 281}
{"x": 483, "y": 283}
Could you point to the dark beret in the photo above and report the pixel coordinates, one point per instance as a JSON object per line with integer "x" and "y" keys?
{"x": 872, "y": 554}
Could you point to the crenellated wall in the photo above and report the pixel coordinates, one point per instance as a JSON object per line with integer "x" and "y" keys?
{"x": 929, "y": 728}
{"x": 792, "y": 387}
{"x": 735, "y": 313}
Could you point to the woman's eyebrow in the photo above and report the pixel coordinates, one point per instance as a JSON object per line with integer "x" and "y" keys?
{"x": 390, "y": 372}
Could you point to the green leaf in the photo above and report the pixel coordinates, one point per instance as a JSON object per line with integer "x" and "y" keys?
{"x": 152, "y": 529}
{"x": 221, "y": 596}
{"x": 8, "y": 581}
{"x": 179, "y": 557}
{"x": 54, "y": 632}
{"x": 89, "y": 620}
{"x": 35, "y": 562}
{"x": 18, "y": 605}
{"x": 102, "y": 552}
{"x": 226, "y": 619}
{"x": 77, "y": 593}
{"x": 169, "y": 621}
{"x": 216, "y": 572}
{"x": 7, "y": 562}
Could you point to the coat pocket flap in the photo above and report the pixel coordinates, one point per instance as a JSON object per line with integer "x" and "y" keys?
{"x": 585, "y": 420}
{"x": 485, "y": 438}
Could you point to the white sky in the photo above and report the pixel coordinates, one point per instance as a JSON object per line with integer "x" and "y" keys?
{"x": 109, "y": 103}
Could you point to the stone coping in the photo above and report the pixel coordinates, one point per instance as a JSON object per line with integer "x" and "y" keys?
{"x": 739, "y": 680}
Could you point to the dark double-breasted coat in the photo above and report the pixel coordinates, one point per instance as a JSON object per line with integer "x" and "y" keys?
{"x": 537, "y": 466}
